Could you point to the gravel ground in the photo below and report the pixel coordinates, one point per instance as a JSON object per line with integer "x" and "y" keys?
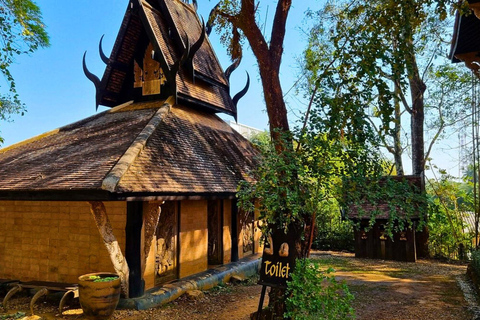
{"x": 383, "y": 290}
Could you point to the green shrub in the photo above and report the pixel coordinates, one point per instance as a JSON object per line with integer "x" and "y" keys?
{"x": 315, "y": 294}
{"x": 102, "y": 279}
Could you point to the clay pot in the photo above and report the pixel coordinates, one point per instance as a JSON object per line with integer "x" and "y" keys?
{"x": 98, "y": 299}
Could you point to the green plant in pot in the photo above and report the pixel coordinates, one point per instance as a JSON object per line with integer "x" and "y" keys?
{"x": 99, "y": 294}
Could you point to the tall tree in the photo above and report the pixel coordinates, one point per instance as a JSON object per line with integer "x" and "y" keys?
{"x": 237, "y": 20}
{"x": 22, "y": 32}
{"x": 391, "y": 49}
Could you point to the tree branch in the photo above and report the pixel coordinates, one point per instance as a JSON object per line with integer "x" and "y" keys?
{"x": 245, "y": 21}
{"x": 278, "y": 30}
{"x": 402, "y": 97}
{"x": 437, "y": 134}
{"x": 385, "y": 144}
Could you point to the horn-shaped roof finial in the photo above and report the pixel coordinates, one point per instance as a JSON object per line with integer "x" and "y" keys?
{"x": 232, "y": 67}
{"x": 102, "y": 54}
{"x": 198, "y": 43}
{"x": 94, "y": 79}
{"x": 242, "y": 93}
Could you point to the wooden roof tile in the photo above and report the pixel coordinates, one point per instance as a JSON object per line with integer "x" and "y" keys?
{"x": 191, "y": 152}
{"x": 77, "y": 156}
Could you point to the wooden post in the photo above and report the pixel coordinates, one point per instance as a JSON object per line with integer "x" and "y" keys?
{"x": 133, "y": 247}
{"x": 97, "y": 208}
{"x": 234, "y": 230}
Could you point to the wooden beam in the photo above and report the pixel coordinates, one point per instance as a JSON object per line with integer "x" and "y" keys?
{"x": 234, "y": 230}
{"x": 133, "y": 248}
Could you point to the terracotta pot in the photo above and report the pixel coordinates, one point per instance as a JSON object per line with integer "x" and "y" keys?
{"x": 98, "y": 299}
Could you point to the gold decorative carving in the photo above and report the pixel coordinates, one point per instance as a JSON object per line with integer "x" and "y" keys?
{"x": 471, "y": 59}
{"x": 247, "y": 229}
{"x": 166, "y": 242}
{"x": 151, "y": 76}
{"x": 283, "y": 250}
{"x": 269, "y": 246}
{"x": 137, "y": 76}
{"x": 476, "y": 9}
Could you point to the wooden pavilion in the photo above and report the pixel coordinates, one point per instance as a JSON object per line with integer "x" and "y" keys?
{"x": 156, "y": 174}
{"x": 375, "y": 242}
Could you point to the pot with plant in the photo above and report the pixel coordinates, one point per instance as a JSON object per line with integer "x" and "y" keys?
{"x": 99, "y": 294}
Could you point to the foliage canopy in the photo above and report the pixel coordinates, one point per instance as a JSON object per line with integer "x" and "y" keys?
{"x": 22, "y": 32}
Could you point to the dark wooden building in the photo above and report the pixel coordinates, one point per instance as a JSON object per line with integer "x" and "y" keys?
{"x": 375, "y": 243}
{"x": 160, "y": 169}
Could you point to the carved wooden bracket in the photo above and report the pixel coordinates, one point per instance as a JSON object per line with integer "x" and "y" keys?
{"x": 472, "y": 61}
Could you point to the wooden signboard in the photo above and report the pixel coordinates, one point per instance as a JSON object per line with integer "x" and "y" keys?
{"x": 278, "y": 260}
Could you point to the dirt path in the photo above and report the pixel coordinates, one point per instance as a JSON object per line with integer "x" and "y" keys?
{"x": 383, "y": 290}
{"x": 398, "y": 290}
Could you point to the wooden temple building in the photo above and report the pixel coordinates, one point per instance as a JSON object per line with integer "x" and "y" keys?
{"x": 155, "y": 176}
{"x": 375, "y": 243}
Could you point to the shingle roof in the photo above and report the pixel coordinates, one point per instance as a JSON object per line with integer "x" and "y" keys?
{"x": 76, "y": 156}
{"x": 190, "y": 151}
{"x": 382, "y": 207}
{"x": 183, "y": 151}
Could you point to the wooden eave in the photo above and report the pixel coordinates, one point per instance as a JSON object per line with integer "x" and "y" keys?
{"x": 465, "y": 45}
{"x": 102, "y": 195}
{"x": 190, "y": 101}
{"x": 58, "y": 195}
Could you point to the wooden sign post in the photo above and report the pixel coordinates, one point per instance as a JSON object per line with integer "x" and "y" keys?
{"x": 278, "y": 262}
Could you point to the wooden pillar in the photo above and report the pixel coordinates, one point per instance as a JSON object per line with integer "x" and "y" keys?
{"x": 234, "y": 230}
{"x": 133, "y": 247}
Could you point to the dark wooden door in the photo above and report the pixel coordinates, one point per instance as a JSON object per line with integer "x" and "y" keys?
{"x": 215, "y": 232}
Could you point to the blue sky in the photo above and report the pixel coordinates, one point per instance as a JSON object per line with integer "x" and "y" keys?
{"x": 56, "y": 92}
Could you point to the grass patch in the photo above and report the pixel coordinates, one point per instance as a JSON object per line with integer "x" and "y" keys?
{"x": 336, "y": 263}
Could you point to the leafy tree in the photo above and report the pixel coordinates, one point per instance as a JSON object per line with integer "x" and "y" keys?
{"x": 338, "y": 137}
{"x": 451, "y": 204}
{"x": 387, "y": 53}
{"x": 237, "y": 21}
{"x": 22, "y": 32}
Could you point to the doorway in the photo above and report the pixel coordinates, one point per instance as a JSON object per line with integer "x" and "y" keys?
{"x": 215, "y": 232}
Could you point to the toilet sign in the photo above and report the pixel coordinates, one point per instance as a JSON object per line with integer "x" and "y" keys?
{"x": 278, "y": 260}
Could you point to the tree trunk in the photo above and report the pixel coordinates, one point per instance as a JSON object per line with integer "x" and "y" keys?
{"x": 269, "y": 55}
{"x": 417, "y": 116}
{"x": 417, "y": 120}
{"x": 97, "y": 208}
{"x": 397, "y": 142}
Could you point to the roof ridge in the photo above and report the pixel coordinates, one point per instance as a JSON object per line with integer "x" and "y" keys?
{"x": 111, "y": 180}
